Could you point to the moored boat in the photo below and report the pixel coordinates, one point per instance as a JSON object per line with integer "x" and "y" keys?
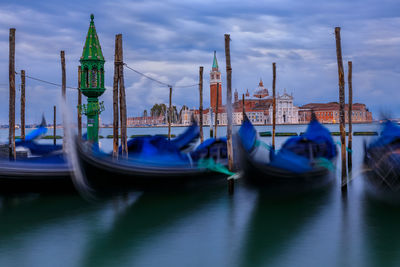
{"x": 49, "y": 174}
{"x": 44, "y": 170}
{"x": 382, "y": 164}
{"x": 303, "y": 163}
{"x": 153, "y": 163}
{"x": 35, "y": 148}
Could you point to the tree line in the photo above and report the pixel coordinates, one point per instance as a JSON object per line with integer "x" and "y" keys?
{"x": 161, "y": 110}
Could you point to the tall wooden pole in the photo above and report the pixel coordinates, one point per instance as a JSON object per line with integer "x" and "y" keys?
{"x": 170, "y": 113}
{"x": 211, "y": 123}
{"x": 216, "y": 113}
{"x": 23, "y": 104}
{"x": 341, "y": 107}
{"x": 273, "y": 104}
{"x": 229, "y": 109}
{"x": 117, "y": 61}
{"x": 63, "y": 88}
{"x": 54, "y": 125}
{"x": 229, "y": 101}
{"x": 201, "y": 104}
{"x": 122, "y": 100}
{"x": 11, "y": 112}
{"x": 79, "y": 103}
{"x": 350, "y": 113}
{"x": 243, "y": 108}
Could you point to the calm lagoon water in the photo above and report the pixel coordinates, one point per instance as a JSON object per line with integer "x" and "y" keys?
{"x": 204, "y": 228}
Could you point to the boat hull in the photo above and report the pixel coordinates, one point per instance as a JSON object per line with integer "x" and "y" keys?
{"x": 258, "y": 174}
{"x": 105, "y": 175}
{"x": 26, "y": 177}
{"x": 382, "y": 173}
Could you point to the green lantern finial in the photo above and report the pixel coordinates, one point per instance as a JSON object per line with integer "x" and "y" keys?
{"x": 92, "y": 81}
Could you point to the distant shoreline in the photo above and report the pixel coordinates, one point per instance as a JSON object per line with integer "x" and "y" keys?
{"x": 224, "y": 125}
{"x": 179, "y": 126}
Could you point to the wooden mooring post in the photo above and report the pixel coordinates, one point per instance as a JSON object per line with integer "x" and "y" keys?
{"x": 63, "y": 90}
{"x": 119, "y": 96}
{"x": 350, "y": 113}
{"x": 23, "y": 104}
{"x": 117, "y": 61}
{"x": 273, "y": 104}
{"x": 201, "y": 104}
{"x": 341, "y": 107}
{"x": 122, "y": 101}
{"x": 54, "y": 125}
{"x": 79, "y": 103}
{"x": 211, "y": 123}
{"x": 216, "y": 113}
{"x": 11, "y": 110}
{"x": 170, "y": 113}
{"x": 243, "y": 108}
{"x": 229, "y": 110}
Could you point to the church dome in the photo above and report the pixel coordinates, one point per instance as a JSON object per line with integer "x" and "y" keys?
{"x": 261, "y": 91}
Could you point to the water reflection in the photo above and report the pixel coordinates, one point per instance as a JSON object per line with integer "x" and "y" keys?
{"x": 381, "y": 228}
{"x": 152, "y": 215}
{"x": 276, "y": 221}
{"x": 19, "y": 215}
{"x": 44, "y": 230}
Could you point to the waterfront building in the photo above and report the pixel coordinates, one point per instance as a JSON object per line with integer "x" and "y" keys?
{"x": 329, "y": 113}
{"x": 145, "y": 121}
{"x": 186, "y": 116}
{"x": 286, "y": 111}
{"x": 258, "y": 108}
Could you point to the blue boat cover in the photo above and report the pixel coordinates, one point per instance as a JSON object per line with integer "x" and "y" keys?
{"x": 34, "y": 134}
{"x": 39, "y": 149}
{"x": 390, "y": 132}
{"x": 247, "y": 134}
{"x": 287, "y": 160}
{"x": 298, "y": 153}
{"x": 157, "y": 150}
{"x": 207, "y": 143}
{"x": 190, "y": 135}
{"x": 295, "y": 154}
{"x": 161, "y": 151}
{"x": 49, "y": 159}
{"x": 317, "y": 134}
{"x": 35, "y": 148}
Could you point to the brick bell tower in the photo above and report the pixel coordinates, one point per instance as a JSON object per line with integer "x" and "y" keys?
{"x": 215, "y": 84}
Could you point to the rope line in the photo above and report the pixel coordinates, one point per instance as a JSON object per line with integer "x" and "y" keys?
{"x": 148, "y": 77}
{"x": 132, "y": 69}
{"x": 51, "y": 83}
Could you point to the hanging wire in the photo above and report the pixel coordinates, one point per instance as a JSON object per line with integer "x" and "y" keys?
{"x": 186, "y": 86}
{"x": 157, "y": 81}
{"x": 43, "y": 81}
{"x": 126, "y": 65}
{"x": 148, "y": 77}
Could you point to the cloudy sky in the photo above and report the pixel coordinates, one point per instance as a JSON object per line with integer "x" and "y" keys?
{"x": 170, "y": 39}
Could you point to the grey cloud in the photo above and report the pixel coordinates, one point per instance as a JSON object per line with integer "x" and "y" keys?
{"x": 171, "y": 39}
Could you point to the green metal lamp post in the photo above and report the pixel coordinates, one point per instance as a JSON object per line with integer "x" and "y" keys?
{"x": 92, "y": 81}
